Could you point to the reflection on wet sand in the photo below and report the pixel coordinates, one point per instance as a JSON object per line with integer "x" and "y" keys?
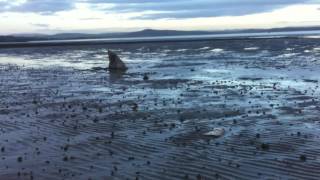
{"x": 115, "y": 75}
{"x": 182, "y": 111}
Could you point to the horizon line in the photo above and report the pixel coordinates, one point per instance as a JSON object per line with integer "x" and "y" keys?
{"x": 155, "y": 29}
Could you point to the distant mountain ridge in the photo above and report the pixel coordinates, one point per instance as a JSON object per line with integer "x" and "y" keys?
{"x": 143, "y": 33}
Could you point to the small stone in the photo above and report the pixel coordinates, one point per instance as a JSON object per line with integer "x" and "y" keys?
{"x": 135, "y": 107}
{"x": 303, "y": 158}
{"x": 145, "y": 77}
{"x": 112, "y": 134}
{"x": 65, "y": 158}
{"x": 265, "y": 146}
{"x": 258, "y": 135}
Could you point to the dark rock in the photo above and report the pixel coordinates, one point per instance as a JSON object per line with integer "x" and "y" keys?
{"x": 258, "y": 135}
{"x": 145, "y": 77}
{"x": 265, "y": 146}
{"x": 135, "y": 107}
{"x": 115, "y": 63}
{"x": 65, "y": 158}
{"x": 303, "y": 158}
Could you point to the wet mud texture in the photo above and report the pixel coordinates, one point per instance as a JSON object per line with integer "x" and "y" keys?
{"x": 68, "y": 120}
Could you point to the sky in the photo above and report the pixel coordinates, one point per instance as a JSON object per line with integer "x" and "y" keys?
{"x": 97, "y": 16}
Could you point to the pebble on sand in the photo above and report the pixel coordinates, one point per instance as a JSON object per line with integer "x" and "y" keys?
{"x": 145, "y": 77}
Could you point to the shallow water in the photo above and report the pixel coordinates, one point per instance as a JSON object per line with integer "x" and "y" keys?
{"x": 60, "y": 119}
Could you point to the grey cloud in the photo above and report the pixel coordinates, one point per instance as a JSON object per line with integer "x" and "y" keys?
{"x": 40, "y": 25}
{"x": 87, "y": 19}
{"x": 39, "y": 6}
{"x": 161, "y": 8}
{"x": 201, "y": 8}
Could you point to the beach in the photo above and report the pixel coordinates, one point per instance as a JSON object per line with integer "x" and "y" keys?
{"x": 64, "y": 116}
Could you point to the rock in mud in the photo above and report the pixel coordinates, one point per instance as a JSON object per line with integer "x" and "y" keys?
{"x": 216, "y": 132}
{"x": 145, "y": 77}
{"x": 115, "y": 63}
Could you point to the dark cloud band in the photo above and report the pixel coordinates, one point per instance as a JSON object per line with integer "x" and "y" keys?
{"x": 201, "y": 8}
{"x": 160, "y": 8}
{"x": 37, "y": 6}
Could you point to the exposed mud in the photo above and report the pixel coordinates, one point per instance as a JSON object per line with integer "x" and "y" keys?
{"x": 61, "y": 117}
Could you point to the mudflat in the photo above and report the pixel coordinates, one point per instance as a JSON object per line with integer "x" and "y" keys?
{"x": 64, "y": 116}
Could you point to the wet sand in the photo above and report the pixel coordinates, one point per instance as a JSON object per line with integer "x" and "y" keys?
{"x": 61, "y": 118}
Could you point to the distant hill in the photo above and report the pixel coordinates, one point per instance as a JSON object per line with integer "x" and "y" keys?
{"x": 151, "y": 33}
{"x": 143, "y": 33}
{"x": 20, "y": 39}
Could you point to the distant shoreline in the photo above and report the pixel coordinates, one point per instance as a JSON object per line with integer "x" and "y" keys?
{"x": 163, "y": 39}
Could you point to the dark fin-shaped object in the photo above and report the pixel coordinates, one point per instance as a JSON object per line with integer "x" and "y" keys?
{"x": 115, "y": 63}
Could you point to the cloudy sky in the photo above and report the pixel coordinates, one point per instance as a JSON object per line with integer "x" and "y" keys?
{"x": 94, "y": 16}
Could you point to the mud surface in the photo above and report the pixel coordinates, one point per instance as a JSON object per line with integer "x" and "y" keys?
{"x": 63, "y": 116}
